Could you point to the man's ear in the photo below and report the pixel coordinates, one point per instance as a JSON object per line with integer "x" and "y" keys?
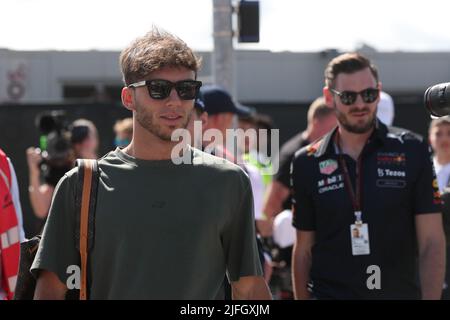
{"x": 380, "y": 86}
{"x": 127, "y": 98}
{"x": 328, "y": 95}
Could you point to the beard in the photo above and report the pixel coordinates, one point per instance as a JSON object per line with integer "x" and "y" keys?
{"x": 147, "y": 119}
{"x": 358, "y": 128}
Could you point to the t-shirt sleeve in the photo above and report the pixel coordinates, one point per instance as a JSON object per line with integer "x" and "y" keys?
{"x": 302, "y": 202}
{"x": 426, "y": 190}
{"x": 239, "y": 237}
{"x": 283, "y": 174}
{"x": 57, "y": 249}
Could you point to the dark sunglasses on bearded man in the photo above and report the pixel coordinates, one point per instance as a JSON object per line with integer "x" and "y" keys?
{"x": 348, "y": 98}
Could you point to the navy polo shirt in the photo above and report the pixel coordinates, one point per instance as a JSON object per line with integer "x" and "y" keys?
{"x": 398, "y": 182}
{"x": 287, "y": 153}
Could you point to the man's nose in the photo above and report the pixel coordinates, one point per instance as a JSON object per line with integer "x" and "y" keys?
{"x": 174, "y": 97}
{"x": 359, "y": 102}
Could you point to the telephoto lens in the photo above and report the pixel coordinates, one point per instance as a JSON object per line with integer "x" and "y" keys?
{"x": 437, "y": 99}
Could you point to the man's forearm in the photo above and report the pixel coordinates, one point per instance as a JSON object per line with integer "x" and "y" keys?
{"x": 40, "y": 195}
{"x": 432, "y": 270}
{"x": 277, "y": 194}
{"x": 49, "y": 287}
{"x": 301, "y": 266}
{"x": 39, "y": 202}
{"x": 34, "y": 178}
{"x": 35, "y": 193}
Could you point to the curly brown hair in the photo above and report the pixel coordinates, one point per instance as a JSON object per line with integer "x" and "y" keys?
{"x": 155, "y": 50}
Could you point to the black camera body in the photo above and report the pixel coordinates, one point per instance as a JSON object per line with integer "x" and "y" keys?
{"x": 437, "y": 99}
{"x": 55, "y": 145}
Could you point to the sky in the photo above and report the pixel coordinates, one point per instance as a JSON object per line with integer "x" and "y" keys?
{"x": 285, "y": 25}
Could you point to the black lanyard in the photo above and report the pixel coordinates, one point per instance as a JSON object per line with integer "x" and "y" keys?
{"x": 354, "y": 193}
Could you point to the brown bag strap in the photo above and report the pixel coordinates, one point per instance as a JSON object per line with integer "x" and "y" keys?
{"x": 86, "y": 202}
{"x": 84, "y": 216}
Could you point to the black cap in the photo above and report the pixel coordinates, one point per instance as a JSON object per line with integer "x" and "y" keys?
{"x": 218, "y": 100}
{"x": 199, "y": 103}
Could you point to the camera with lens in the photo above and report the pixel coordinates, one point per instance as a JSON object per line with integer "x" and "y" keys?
{"x": 55, "y": 145}
{"x": 437, "y": 99}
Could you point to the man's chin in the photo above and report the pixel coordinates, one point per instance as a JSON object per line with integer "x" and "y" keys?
{"x": 359, "y": 128}
{"x": 168, "y": 133}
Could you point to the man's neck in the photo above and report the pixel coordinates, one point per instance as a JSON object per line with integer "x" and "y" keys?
{"x": 147, "y": 146}
{"x": 88, "y": 155}
{"x": 353, "y": 143}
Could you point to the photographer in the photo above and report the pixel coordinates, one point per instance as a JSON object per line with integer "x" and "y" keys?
{"x": 63, "y": 144}
{"x": 40, "y": 194}
{"x": 46, "y": 168}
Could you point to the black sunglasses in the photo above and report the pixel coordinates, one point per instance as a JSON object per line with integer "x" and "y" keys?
{"x": 348, "y": 98}
{"x": 160, "y": 89}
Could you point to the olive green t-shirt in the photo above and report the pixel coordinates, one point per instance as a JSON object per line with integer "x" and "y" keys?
{"x": 162, "y": 231}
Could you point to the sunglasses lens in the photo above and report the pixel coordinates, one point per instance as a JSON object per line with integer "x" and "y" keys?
{"x": 187, "y": 90}
{"x": 159, "y": 89}
{"x": 369, "y": 95}
{"x": 348, "y": 97}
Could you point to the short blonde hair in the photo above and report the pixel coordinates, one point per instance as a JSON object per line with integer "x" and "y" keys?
{"x": 319, "y": 110}
{"x": 124, "y": 126}
{"x": 439, "y": 122}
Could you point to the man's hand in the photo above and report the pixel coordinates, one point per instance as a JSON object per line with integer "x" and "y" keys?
{"x": 250, "y": 288}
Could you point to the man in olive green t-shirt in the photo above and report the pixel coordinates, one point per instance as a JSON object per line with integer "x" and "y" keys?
{"x": 163, "y": 230}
